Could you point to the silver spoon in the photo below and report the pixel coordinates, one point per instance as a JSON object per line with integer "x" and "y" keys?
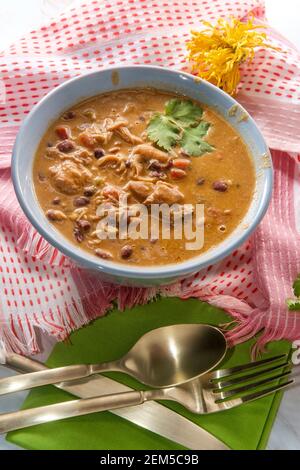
{"x": 163, "y": 357}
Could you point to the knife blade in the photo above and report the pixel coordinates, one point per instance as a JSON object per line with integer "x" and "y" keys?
{"x": 150, "y": 415}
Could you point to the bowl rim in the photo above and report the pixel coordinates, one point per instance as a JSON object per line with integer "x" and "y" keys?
{"x": 116, "y": 269}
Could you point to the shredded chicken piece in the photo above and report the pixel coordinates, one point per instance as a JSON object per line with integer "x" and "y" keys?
{"x": 112, "y": 193}
{"x": 108, "y": 159}
{"x": 117, "y": 161}
{"x": 137, "y": 158}
{"x": 113, "y": 126}
{"x": 52, "y": 153}
{"x": 69, "y": 177}
{"x": 164, "y": 193}
{"x": 147, "y": 151}
{"x": 114, "y": 149}
{"x": 137, "y": 167}
{"x": 77, "y": 214}
{"x": 96, "y": 134}
{"x": 139, "y": 189}
{"x": 70, "y": 157}
{"x": 81, "y": 155}
{"x": 106, "y": 133}
{"x": 147, "y": 179}
{"x": 121, "y": 129}
{"x": 126, "y": 135}
{"x": 122, "y": 167}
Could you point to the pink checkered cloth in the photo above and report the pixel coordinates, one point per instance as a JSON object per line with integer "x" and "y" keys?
{"x": 40, "y": 288}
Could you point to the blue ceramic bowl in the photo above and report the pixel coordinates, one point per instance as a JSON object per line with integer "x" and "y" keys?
{"x": 80, "y": 88}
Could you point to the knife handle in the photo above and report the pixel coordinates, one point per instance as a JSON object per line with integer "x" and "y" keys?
{"x": 23, "y": 364}
{"x": 45, "y": 414}
{"x": 48, "y": 376}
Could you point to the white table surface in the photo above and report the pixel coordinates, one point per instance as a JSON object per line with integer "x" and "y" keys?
{"x": 18, "y": 17}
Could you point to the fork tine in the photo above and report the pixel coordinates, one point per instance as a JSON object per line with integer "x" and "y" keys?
{"x": 251, "y": 365}
{"x": 244, "y": 378}
{"x": 256, "y": 395}
{"x": 245, "y": 388}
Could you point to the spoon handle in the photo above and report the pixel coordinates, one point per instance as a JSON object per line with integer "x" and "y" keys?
{"x": 51, "y": 376}
{"x": 45, "y": 414}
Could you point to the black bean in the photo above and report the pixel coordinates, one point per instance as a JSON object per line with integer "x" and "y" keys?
{"x": 89, "y": 191}
{"x": 84, "y": 225}
{"x": 69, "y": 115}
{"x": 49, "y": 144}
{"x": 128, "y": 164}
{"x": 103, "y": 254}
{"x": 56, "y": 201}
{"x": 66, "y": 146}
{"x": 78, "y": 234}
{"x": 155, "y": 165}
{"x": 99, "y": 153}
{"x": 81, "y": 201}
{"x": 200, "y": 181}
{"x": 221, "y": 186}
{"x": 126, "y": 251}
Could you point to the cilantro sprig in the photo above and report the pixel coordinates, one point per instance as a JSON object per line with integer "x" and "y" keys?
{"x": 294, "y": 304}
{"x": 180, "y": 124}
{"x": 163, "y": 131}
{"x": 296, "y": 286}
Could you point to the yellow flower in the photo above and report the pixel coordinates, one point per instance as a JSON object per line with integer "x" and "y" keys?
{"x": 217, "y": 52}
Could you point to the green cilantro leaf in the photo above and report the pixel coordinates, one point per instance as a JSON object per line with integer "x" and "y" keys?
{"x": 162, "y": 131}
{"x": 180, "y": 124}
{"x": 185, "y": 113}
{"x": 192, "y": 140}
{"x": 296, "y": 286}
{"x": 293, "y": 304}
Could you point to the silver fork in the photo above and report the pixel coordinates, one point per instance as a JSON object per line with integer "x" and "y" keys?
{"x": 213, "y": 392}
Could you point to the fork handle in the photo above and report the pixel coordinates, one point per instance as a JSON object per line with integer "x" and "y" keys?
{"x": 45, "y": 414}
{"x": 48, "y": 376}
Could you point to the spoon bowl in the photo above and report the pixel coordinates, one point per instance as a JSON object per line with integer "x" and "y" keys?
{"x": 163, "y": 357}
{"x": 174, "y": 354}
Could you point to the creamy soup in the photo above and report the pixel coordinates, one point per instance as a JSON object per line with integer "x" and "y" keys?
{"x": 152, "y": 148}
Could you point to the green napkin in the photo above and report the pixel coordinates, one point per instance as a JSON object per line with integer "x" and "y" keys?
{"x": 108, "y": 338}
